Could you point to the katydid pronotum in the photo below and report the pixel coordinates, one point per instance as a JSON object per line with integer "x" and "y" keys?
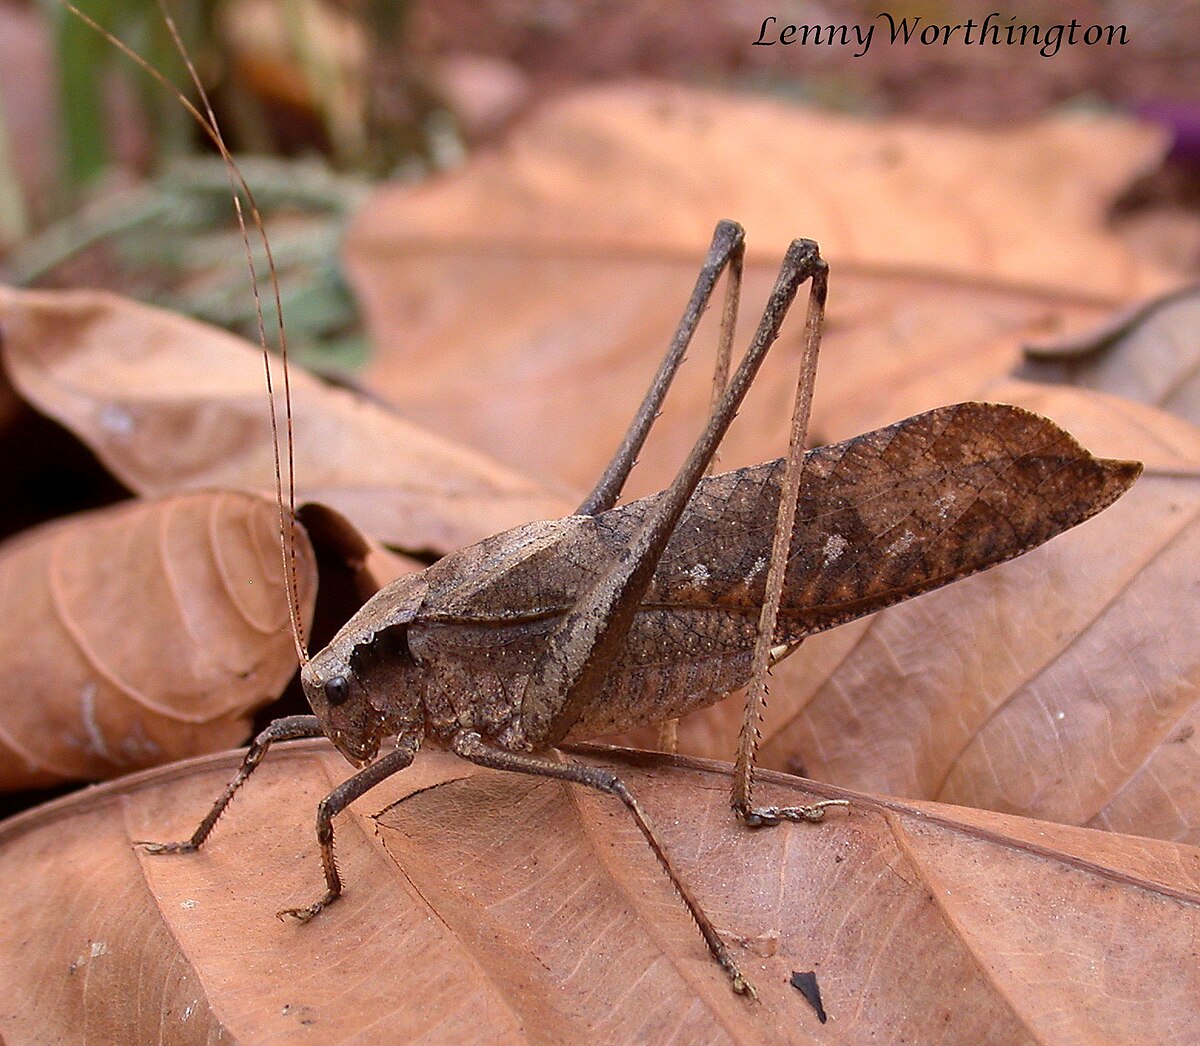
{"x": 615, "y": 617}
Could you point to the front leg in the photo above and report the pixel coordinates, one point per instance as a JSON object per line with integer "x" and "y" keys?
{"x": 288, "y": 729}
{"x": 337, "y": 801}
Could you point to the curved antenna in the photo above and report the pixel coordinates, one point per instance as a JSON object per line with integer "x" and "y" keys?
{"x": 208, "y": 123}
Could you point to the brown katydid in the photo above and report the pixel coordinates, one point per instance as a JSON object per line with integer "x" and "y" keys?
{"x": 619, "y": 616}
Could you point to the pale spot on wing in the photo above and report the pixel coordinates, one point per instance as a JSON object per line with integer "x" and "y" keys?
{"x": 901, "y": 543}
{"x": 835, "y": 545}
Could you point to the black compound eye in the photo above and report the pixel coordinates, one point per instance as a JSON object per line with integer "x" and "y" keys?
{"x": 337, "y": 690}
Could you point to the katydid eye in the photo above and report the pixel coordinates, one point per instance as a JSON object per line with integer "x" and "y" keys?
{"x": 337, "y": 690}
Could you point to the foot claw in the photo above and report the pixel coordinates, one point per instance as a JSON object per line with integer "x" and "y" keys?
{"x": 300, "y": 914}
{"x": 767, "y": 816}
{"x": 759, "y": 819}
{"x": 305, "y": 914}
{"x": 744, "y": 987}
{"x": 816, "y": 812}
{"x": 166, "y": 848}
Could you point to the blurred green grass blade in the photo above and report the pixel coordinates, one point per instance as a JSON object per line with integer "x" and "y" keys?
{"x": 14, "y": 215}
{"x": 173, "y": 130}
{"x": 88, "y": 63}
{"x": 82, "y": 56}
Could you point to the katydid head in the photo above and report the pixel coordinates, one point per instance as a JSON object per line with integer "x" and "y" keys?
{"x": 365, "y": 686}
{"x": 343, "y": 705}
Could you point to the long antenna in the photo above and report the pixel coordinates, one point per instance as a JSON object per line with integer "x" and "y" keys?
{"x": 208, "y": 123}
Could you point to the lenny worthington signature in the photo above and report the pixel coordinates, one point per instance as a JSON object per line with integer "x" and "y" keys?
{"x": 994, "y": 31}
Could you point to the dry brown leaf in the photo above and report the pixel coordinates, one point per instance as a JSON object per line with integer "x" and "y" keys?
{"x": 370, "y": 564}
{"x": 466, "y": 920}
{"x": 1150, "y": 354}
{"x": 534, "y": 292}
{"x": 668, "y": 158}
{"x": 1064, "y": 685}
{"x": 142, "y": 633}
{"x": 168, "y": 404}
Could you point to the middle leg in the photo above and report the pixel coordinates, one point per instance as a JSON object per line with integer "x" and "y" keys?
{"x": 337, "y": 801}
{"x": 470, "y": 746}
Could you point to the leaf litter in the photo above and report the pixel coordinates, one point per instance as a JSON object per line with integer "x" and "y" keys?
{"x": 951, "y": 885}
